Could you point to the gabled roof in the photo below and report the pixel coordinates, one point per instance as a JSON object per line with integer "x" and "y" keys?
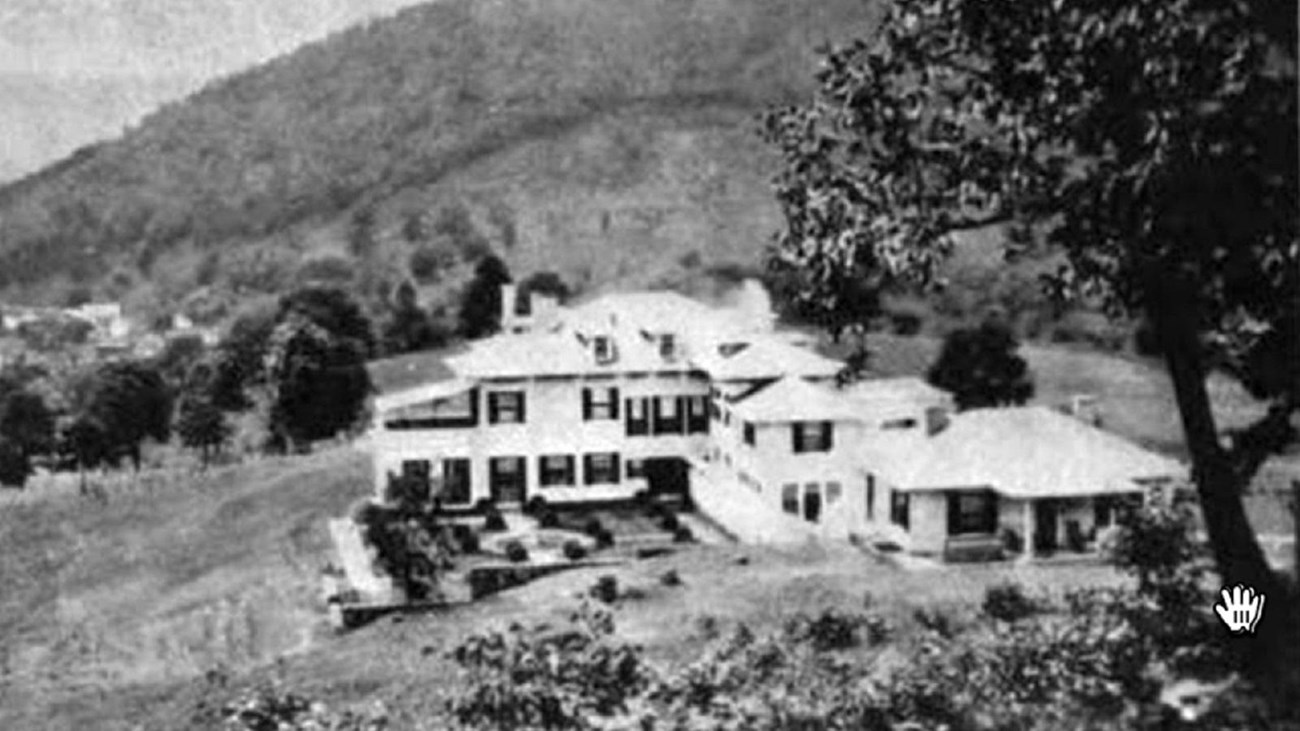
{"x": 560, "y": 352}
{"x": 764, "y": 357}
{"x": 794, "y": 399}
{"x": 1026, "y": 452}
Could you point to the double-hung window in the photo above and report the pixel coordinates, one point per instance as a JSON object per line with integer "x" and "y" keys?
{"x": 811, "y": 436}
{"x": 505, "y": 407}
{"x": 599, "y": 404}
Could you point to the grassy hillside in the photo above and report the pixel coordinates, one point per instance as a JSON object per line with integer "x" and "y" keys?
{"x": 165, "y": 580}
{"x": 615, "y": 137}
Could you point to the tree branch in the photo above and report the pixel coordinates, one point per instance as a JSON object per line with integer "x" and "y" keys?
{"x": 1253, "y": 445}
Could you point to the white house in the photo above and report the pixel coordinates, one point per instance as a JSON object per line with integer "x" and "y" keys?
{"x": 655, "y": 391}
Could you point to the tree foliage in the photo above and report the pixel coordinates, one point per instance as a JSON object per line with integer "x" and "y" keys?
{"x": 122, "y": 404}
{"x": 201, "y": 425}
{"x": 546, "y": 283}
{"x": 980, "y": 367}
{"x": 480, "y": 306}
{"x": 410, "y": 327}
{"x": 1153, "y": 143}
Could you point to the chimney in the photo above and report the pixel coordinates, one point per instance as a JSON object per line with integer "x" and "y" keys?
{"x": 509, "y": 295}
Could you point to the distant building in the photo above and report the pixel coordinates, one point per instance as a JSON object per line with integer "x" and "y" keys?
{"x": 656, "y": 392}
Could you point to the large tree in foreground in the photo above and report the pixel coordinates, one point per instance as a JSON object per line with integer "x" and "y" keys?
{"x": 1154, "y": 142}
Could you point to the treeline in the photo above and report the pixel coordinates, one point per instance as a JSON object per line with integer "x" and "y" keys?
{"x": 297, "y": 367}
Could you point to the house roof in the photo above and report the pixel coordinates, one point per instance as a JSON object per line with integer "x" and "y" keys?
{"x": 404, "y": 372}
{"x": 794, "y": 399}
{"x": 558, "y": 352}
{"x": 1027, "y": 452}
{"x": 903, "y": 388}
{"x": 764, "y": 357}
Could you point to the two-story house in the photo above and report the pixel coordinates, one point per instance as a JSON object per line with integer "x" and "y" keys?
{"x": 654, "y": 391}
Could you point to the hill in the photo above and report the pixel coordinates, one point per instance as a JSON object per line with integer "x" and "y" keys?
{"x": 612, "y": 141}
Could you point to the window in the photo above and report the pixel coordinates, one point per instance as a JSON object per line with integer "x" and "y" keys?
{"x": 638, "y": 416}
{"x": 507, "y": 478}
{"x": 455, "y": 482}
{"x": 811, "y": 436}
{"x": 892, "y": 424}
{"x": 599, "y": 403}
{"x": 812, "y": 503}
{"x": 604, "y": 348}
{"x": 899, "y": 509}
{"x": 790, "y": 499}
{"x": 600, "y": 469}
{"x": 833, "y": 492}
{"x": 697, "y": 415}
{"x": 972, "y": 512}
{"x": 667, "y": 346}
{"x": 726, "y": 417}
{"x": 635, "y": 469}
{"x": 556, "y": 470}
{"x": 669, "y": 418}
{"x": 505, "y": 407}
{"x": 458, "y": 411}
{"x": 871, "y": 497}
{"x": 749, "y": 434}
{"x": 414, "y": 483}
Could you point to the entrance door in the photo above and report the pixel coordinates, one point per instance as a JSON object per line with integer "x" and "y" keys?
{"x": 812, "y": 503}
{"x": 507, "y": 479}
{"x": 667, "y": 475}
{"x": 1045, "y": 519}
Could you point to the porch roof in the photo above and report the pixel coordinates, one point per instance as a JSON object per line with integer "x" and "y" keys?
{"x": 1023, "y": 453}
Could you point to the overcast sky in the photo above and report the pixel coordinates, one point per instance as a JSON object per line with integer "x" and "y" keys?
{"x": 73, "y": 71}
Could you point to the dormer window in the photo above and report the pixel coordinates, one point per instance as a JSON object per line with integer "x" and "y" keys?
{"x": 604, "y": 348}
{"x": 667, "y": 346}
{"x": 726, "y": 350}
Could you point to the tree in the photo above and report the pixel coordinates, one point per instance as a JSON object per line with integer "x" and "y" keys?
{"x": 480, "y": 306}
{"x": 546, "y": 283}
{"x": 26, "y": 429}
{"x": 361, "y": 233}
{"x": 1153, "y": 143}
{"x": 979, "y": 366}
{"x": 201, "y": 425}
{"x": 127, "y": 402}
{"x": 177, "y": 358}
{"x": 334, "y": 310}
{"x": 317, "y": 381}
{"x": 409, "y": 327}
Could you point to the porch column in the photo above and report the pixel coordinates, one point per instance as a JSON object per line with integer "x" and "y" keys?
{"x": 1028, "y": 516}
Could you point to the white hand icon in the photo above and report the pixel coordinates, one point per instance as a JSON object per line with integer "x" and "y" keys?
{"x": 1241, "y": 608}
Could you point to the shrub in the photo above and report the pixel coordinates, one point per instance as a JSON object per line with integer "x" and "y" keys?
{"x": 548, "y": 519}
{"x": 574, "y": 550}
{"x": 516, "y": 552}
{"x": 605, "y": 589}
{"x": 643, "y": 499}
{"x": 830, "y": 630}
{"x": 683, "y": 534}
{"x": 494, "y": 521}
{"x": 877, "y": 630}
{"x": 1011, "y": 541}
{"x": 604, "y": 538}
{"x": 535, "y": 506}
{"x": 670, "y": 523}
{"x": 671, "y": 578}
{"x": 1007, "y": 602}
{"x": 593, "y": 527}
{"x": 935, "y": 620}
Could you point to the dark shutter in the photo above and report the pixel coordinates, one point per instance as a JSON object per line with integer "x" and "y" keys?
{"x": 586, "y": 469}
{"x": 830, "y": 435}
{"x": 586, "y": 404}
{"x": 613, "y": 403}
{"x": 616, "y": 467}
{"x": 522, "y": 399}
{"x": 991, "y": 512}
{"x": 796, "y": 436}
{"x": 492, "y": 408}
{"x": 954, "y": 513}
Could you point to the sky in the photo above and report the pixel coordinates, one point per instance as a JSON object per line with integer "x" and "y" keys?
{"x": 76, "y": 71}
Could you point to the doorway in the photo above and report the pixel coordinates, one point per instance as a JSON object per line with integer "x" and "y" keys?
{"x": 1046, "y": 514}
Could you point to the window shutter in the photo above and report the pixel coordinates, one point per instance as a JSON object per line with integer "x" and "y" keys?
{"x": 613, "y": 403}
{"x": 586, "y": 404}
{"x": 586, "y": 469}
{"x": 616, "y": 467}
{"x": 796, "y": 436}
{"x": 991, "y": 511}
{"x": 954, "y": 513}
{"x": 829, "y": 428}
{"x": 522, "y": 400}
{"x": 492, "y": 408}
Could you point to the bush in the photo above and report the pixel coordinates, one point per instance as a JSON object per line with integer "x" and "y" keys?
{"x": 593, "y": 527}
{"x": 671, "y": 578}
{"x": 574, "y": 550}
{"x": 535, "y": 506}
{"x": 642, "y": 498}
{"x": 548, "y": 519}
{"x": 670, "y": 523}
{"x": 604, "y": 538}
{"x": 494, "y": 521}
{"x": 516, "y": 552}
{"x": 1007, "y": 602}
{"x": 830, "y": 630}
{"x": 605, "y": 589}
{"x": 935, "y": 620}
{"x": 683, "y": 534}
{"x": 1011, "y": 541}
